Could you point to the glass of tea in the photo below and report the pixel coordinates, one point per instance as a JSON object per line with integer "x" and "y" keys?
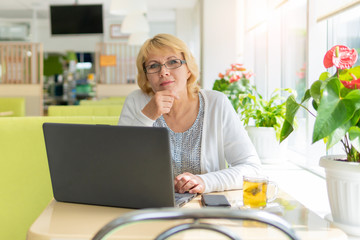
{"x": 255, "y": 191}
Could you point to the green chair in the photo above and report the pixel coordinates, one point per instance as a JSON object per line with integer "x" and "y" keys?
{"x": 104, "y": 101}
{"x": 85, "y": 110}
{"x": 25, "y": 186}
{"x": 121, "y": 98}
{"x": 12, "y": 107}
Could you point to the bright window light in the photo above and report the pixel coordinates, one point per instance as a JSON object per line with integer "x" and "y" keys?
{"x": 84, "y": 65}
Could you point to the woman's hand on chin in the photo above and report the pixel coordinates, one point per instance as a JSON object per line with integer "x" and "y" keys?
{"x": 160, "y": 104}
{"x": 188, "y": 182}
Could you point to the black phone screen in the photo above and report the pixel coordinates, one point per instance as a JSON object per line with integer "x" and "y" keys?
{"x": 212, "y": 200}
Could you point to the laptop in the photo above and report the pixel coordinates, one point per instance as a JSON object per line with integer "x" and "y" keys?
{"x": 118, "y": 166}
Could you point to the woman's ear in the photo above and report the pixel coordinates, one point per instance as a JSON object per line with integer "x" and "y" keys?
{"x": 188, "y": 74}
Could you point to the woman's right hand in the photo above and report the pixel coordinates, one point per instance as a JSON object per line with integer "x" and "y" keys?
{"x": 160, "y": 104}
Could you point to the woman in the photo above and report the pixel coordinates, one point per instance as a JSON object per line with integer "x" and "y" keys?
{"x": 205, "y": 132}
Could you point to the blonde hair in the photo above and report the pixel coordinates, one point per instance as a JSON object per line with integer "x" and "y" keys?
{"x": 160, "y": 42}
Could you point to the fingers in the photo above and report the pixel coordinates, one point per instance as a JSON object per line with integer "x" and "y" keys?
{"x": 198, "y": 189}
{"x": 160, "y": 104}
{"x": 188, "y": 182}
{"x": 171, "y": 93}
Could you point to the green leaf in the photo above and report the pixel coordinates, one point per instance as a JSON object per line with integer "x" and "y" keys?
{"x": 337, "y": 135}
{"x": 354, "y": 136}
{"x": 221, "y": 85}
{"x": 306, "y": 96}
{"x": 354, "y": 97}
{"x": 315, "y": 91}
{"x": 236, "y": 87}
{"x": 291, "y": 108}
{"x": 333, "y": 110}
{"x": 346, "y": 73}
{"x": 324, "y": 76}
{"x": 340, "y": 132}
{"x": 314, "y": 104}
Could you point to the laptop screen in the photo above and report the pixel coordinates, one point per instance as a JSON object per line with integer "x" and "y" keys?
{"x": 119, "y": 166}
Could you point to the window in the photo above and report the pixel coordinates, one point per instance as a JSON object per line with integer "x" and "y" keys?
{"x": 285, "y": 46}
{"x": 15, "y": 31}
{"x": 344, "y": 29}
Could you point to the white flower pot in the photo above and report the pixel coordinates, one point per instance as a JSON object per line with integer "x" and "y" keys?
{"x": 343, "y": 186}
{"x": 266, "y": 144}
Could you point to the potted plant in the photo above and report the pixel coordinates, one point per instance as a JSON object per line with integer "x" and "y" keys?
{"x": 336, "y": 101}
{"x": 234, "y": 82}
{"x": 263, "y": 120}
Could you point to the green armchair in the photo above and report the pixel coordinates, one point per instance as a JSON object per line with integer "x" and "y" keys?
{"x": 85, "y": 110}
{"x": 12, "y": 107}
{"x": 25, "y": 186}
{"x": 104, "y": 101}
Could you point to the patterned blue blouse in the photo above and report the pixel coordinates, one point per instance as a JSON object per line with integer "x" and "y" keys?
{"x": 186, "y": 146}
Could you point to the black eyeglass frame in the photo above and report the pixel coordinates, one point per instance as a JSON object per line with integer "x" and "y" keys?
{"x": 161, "y": 65}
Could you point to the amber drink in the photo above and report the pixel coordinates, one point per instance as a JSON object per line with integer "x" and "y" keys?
{"x": 255, "y": 191}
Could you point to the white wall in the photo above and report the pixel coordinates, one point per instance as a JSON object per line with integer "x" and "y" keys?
{"x": 188, "y": 28}
{"x": 220, "y": 38}
{"x": 76, "y": 43}
{"x": 87, "y": 43}
{"x": 162, "y": 27}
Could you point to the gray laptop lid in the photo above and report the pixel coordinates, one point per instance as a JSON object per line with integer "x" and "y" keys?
{"x": 107, "y": 165}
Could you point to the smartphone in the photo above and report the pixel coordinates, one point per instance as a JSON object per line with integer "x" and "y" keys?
{"x": 212, "y": 200}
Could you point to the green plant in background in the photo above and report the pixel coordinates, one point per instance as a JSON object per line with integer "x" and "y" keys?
{"x": 53, "y": 65}
{"x": 336, "y": 99}
{"x": 234, "y": 82}
{"x": 264, "y": 113}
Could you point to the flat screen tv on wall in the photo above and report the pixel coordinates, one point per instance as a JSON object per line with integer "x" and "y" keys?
{"x": 76, "y": 19}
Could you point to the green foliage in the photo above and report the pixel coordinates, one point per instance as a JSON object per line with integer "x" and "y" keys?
{"x": 248, "y": 102}
{"x": 53, "y": 65}
{"x": 233, "y": 83}
{"x": 264, "y": 113}
{"x": 336, "y": 99}
{"x": 233, "y": 90}
{"x": 338, "y": 113}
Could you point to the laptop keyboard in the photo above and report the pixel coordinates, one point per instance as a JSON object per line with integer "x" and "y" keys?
{"x": 182, "y": 198}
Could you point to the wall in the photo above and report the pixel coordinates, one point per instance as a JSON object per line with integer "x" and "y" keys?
{"x": 162, "y": 27}
{"x": 87, "y": 43}
{"x": 188, "y": 28}
{"x": 77, "y": 43}
{"x": 220, "y": 44}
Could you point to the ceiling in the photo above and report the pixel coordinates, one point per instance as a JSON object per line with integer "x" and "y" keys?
{"x": 25, "y": 8}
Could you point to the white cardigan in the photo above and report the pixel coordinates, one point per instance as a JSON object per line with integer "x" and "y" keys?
{"x": 224, "y": 140}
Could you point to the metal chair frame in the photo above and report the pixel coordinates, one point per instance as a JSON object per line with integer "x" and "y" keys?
{"x": 196, "y": 215}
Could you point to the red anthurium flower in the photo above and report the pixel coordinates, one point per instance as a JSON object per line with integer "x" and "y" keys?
{"x": 249, "y": 75}
{"x": 221, "y": 75}
{"x": 235, "y": 65}
{"x": 344, "y": 58}
{"x": 234, "y": 78}
{"x": 328, "y": 62}
{"x": 352, "y": 84}
{"x": 300, "y": 74}
{"x": 228, "y": 72}
{"x": 242, "y": 69}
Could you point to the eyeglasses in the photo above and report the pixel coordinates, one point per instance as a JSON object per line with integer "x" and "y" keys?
{"x": 156, "y": 67}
